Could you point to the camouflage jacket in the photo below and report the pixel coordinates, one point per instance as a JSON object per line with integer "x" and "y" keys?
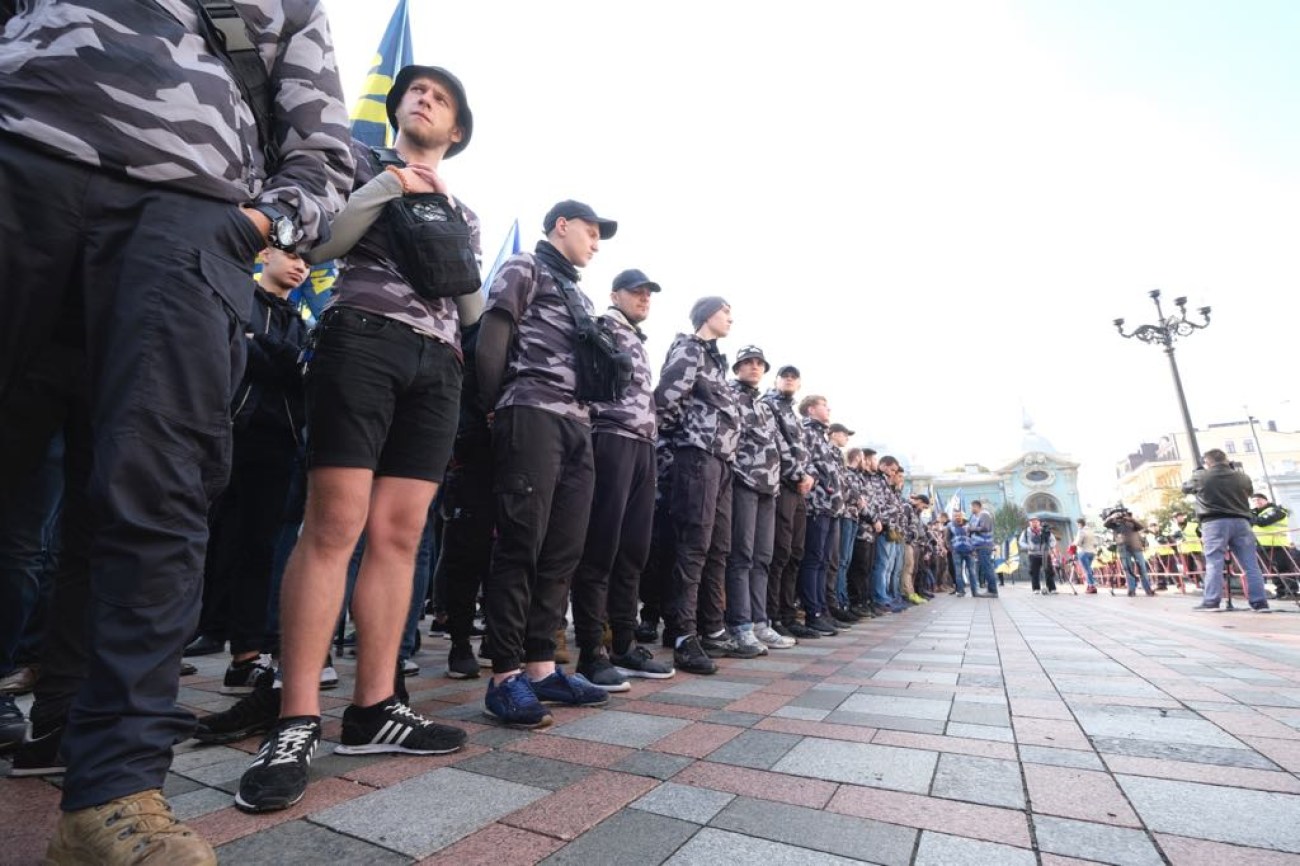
{"x": 854, "y": 492}
{"x": 883, "y": 503}
{"x": 369, "y": 279}
{"x": 634, "y": 415}
{"x": 826, "y": 496}
{"x": 132, "y": 87}
{"x": 540, "y": 368}
{"x": 795, "y": 463}
{"x": 695, "y": 405}
{"x": 758, "y": 460}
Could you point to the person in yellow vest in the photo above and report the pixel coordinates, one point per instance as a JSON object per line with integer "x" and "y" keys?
{"x": 1160, "y": 554}
{"x": 1187, "y": 537}
{"x": 1271, "y": 532}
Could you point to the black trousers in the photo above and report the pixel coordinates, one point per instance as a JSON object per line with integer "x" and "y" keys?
{"x": 618, "y": 541}
{"x": 787, "y": 553}
{"x": 700, "y": 510}
{"x": 1039, "y": 564}
{"x": 245, "y": 523}
{"x": 543, "y": 481}
{"x": 158, "y": 284}
{"x": 468, "y": 517}
{"x": 657, "y": 576}
{"x": 864, "y": 561}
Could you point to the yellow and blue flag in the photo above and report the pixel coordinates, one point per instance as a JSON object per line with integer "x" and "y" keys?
{"x": 509, "y": 247}
{"x": 370, "y": 117}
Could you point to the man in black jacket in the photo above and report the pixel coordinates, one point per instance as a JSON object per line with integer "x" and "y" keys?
{"x": 1223, "y": 507}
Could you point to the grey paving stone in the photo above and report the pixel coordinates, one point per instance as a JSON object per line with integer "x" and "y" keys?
{"x": 421, "y": 815}
{"x": 630, "y": 837}
{"x": 709, "y": 687}
{"x": 772, "y": 665}
{"x": 846, "y": 836}
{"x": 916, "y": 677}
{"x": 1260, "y": 819}
{"x": 940, "y": 849}
{"x": 929, "y": 658}
{"x": 861, "y": 764}
{"x": 756, "y": 749}
{"x": 980, "y": 732}
{"x": 986, "y": 680}
{"x": 684, "y": 700}
{"x": 988, "y": 781}
{"x": 1060, "y": 757}
{"x": 525, "y": 769}
{"x": 834, "y": 687}
{"x": 1184, "y": 752}
{"x": 979, "y": 714}
{"x": 817, "y": 699}
{"x": 496, "y": 737}
{"x": 653, "y": 764}
{"x": 905, "y": 707}
{"x": 198, "y": 802}
{"x": 684, "y": 802}
{"x": 893, "y": 723}
{"x": 202, "y": 756}
{"x": 733, "y": 718}
{"x": 710, "y": 847}
{"x": 304, "y": 842}
{"x": 1095, "y": 842}
{"x": 1124, "y": 687}
{"x": 621, "y": 729}
{"x": 801, "y": 713}
{"x": 176, "y": 785}
{"x": 1192, "y": 732}
{"x": 223, "y": 774}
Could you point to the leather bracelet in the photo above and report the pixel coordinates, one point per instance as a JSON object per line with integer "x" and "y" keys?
{"x": 397, "y": 171}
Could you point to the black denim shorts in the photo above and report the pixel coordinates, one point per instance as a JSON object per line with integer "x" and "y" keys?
{"x": 381, "y": 396}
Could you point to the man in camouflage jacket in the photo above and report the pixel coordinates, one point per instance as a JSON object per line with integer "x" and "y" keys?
{"x": 825, "y": 501}
{"x": 845, "y": 530}
{"x": 138, "y": 192}
{"x": 791, "y": 510}
{"x": 700, "y": 424}
{"x": 864, "y": 545}
{"x": 886, "y": 507}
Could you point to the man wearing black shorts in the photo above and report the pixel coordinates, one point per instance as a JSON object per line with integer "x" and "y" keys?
{"x": 382, "y": 388}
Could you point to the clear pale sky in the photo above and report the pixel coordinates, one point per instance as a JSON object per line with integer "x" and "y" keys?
{"x": 934, "y": 209}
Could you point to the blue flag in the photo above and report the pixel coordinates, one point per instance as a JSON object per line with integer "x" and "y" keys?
{"x": 509, "y": 247}
{"x": 370, "y": 116}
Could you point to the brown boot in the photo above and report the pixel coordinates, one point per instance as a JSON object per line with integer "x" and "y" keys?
{"x": 561, "y": 648}
{"x": 131, "y": 830}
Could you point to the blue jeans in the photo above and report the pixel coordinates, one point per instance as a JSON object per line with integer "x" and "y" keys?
{"x": 1085, "y": 559}
{"x": 425, "y": 559}
{"x": 1224, "y": 535}
{"x": 29, "y": 550}
{"x": 1137, "y": 562}
{"x": 987, "y": 577}
{"x": 886, "y": 552}
{"x": 963, "y": 564}
{"x": 812, "y": 571}
{"x": 848, "y": 534}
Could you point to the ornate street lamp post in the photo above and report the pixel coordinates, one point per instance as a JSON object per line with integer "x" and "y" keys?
{"x": 1163, "y": 334}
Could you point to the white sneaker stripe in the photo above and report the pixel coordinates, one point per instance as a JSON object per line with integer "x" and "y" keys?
{"x": 381, "y": 737}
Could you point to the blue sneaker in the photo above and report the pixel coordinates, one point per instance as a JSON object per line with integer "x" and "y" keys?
{"x": 514, "y": 704}
{"x": 575, "y": 690}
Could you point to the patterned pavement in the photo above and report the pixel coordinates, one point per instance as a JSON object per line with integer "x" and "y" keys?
{"x": 1054, "y": 730}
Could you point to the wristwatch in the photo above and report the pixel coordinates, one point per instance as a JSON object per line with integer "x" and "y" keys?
{"x": 285, "y": 233}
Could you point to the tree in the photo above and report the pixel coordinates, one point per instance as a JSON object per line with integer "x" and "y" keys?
{"x": 1174, "y": 501}
{"x": 1008, "y": 520}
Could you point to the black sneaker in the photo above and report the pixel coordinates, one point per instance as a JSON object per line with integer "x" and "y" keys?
{"x": 461, "y": 663}
{"x": 726, "y": 646}
{"x": 277, "y": 778}
{"x": 203, "y": 645}
{"x": 843, "y": 614}
{"x": 801, "y": 631}
{"x": 253, "y": 714}
{"x": 782, "y": 629}
{"x": 394, "y": 727}
{"x": 242, "y": 677}
{"x": 1260, "y": 607}
{"x": 602, "y": 674}
{"x": 640, "y": 662}
{"x": 438, "y": 627}
{"x": 13, "y": 726}
{"x": 692, "y": 658}
{"x": 647, "y": 632}
{"x": 39, "y": 756}
{"x": 823, "y": 626}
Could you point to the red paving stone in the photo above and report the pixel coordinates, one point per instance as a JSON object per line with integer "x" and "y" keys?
{"x": 955, "y": 745}
{"x": 847, "y": 733}
{"x": 759, "y": 703}
{"x": 563, "y": 748}
{"x": 1182, "y": 851}
{"x": 386, "y": 773}
{"x": 674, "y": 711}
{"x": 1058, "y": 860}
{"x": 1284, "y": 753}
{"x": 31, "y": 809}
{"x": 988, "y": 823}
{"x": 696, "y": 740}
{"x": 1252, "y": 725}
{"x": 1050, "y": 732}
{"x": 787, "y": 687}
{"x": 760, "y": 784}
{"x": 572, "y": 811}
{"x": 1087, "y": 795}
{"x": 497, "y": 845}
{"x": 1210, "y": 774}
{"x": 230, "y": 824}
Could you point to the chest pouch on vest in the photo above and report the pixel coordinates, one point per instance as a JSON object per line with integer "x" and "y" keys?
{"x": 429, "y": 241}
{"x": 604, "y": 372}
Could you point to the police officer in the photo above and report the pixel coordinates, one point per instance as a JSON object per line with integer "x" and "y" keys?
{"x": 1272, "y": 534}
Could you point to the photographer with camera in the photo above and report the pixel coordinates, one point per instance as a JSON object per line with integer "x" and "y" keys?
{"x": 1222, "y": 493}
{"x": 1130, "y": 546}
{"x": 1038, "y": 542}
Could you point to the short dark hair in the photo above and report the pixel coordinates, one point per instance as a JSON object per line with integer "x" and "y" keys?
{"x": 974, "y": 502}
{"x": 808, "y": 402}
{"x": 868, "y": 452}
{"x": 1082, "y": 521}
{"x": 887, "y": 460}
{"x": 1215, "y": 456}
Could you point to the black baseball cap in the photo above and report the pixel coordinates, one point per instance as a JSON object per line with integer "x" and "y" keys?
{"x": 840, "y": 428}
{"x": 464, "y": 117}
{"x": 634, "y": 279}
{"x": 746, "y": 354}
{"x": 789, "y": 370}
{"x": 576, "y": 210}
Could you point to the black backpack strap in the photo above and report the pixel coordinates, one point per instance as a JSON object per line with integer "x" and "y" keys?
{"x": 227, "y": 35}
{"x": 569, "y": 292}
{"x": 382, "y": 157}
